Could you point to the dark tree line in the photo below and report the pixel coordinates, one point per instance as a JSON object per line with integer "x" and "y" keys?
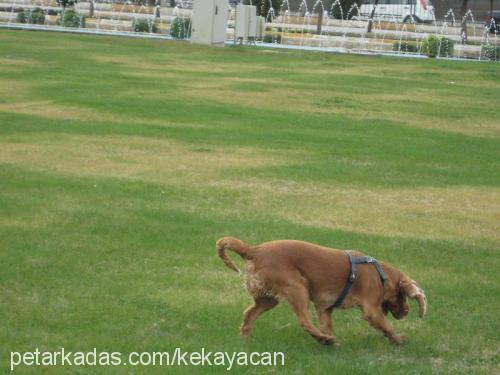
{"x": 264, "y": 6}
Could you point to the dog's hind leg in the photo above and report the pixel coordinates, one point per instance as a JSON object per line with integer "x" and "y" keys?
{"x": 298, "y": 297}
{"x": 260, "y": 306}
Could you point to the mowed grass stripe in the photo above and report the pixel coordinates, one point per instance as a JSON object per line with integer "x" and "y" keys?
{"x": 444, "y": 212}
{"x": 379, "y": 153}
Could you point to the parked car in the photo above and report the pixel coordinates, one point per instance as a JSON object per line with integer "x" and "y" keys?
{"x": 493, "y": 21}
{"x": 400, "y": 10}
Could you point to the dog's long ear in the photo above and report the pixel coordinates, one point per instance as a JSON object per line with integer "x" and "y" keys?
{"x": 391, "y": 288}
{"x": 412, "y": 291}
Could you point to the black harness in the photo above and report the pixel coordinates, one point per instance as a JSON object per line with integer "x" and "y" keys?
{"x": 354, "y": 261}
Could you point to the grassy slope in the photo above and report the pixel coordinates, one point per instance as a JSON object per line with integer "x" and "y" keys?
{"x": 122, "y": 161}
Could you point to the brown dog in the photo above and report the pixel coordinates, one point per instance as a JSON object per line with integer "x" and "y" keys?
{"x": 299, "y": 271}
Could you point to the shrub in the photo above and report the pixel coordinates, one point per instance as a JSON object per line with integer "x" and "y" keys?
{"x": 21, "y": 16}
{"x": 405, "y": 47}
{"x": 144, "y": 26}
{"x": 70, "y": 18}
{"x": 180, "y": 28}
{"x": 433, "y": 46}
{"x": 34, "y": 16}
{"x": 490, "y": 52}
{"x": 272, "y": 38}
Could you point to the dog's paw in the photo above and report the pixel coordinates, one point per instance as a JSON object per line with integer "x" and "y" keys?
{"x": 327, "y": 340}
{"x": 244, "y": 333}
{"x": 398, "y": 340}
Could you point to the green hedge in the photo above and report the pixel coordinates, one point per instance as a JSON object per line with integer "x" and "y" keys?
{"x": 70, "y": 18}
{"x": 434, "y": 45}
{"x": 405, "y": 47}
{"x": 490, "y": 52}
{"x": 34, "y": 16}
{"x": 272, "y": 38}
{"x": 144, "y": 26}
{"x": 180, "y": 28}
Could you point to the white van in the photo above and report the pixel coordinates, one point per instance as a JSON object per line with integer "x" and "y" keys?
{"x": 399, "y": 10}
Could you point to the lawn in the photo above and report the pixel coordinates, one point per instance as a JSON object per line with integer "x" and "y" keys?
{"x": 122, "y": 161}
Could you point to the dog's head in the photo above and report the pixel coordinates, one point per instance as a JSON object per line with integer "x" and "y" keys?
{"x": 395, "y": 300}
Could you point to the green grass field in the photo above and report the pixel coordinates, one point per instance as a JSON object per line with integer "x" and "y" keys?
{"x": 122, "y": 161}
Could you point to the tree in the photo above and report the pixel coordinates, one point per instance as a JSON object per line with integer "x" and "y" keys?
{"x": 66, "y": 3}
{"x": 463, "y": 13}
{"x": 263, "y": 6}
{"x": 372, "y": 14}
{"x": 319, "y": 26}
{"x": 157, "y": 9}
{"x": 340, "y": 9}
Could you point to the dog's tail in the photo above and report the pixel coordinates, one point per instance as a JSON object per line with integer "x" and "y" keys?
{"x": 236, "y": 245}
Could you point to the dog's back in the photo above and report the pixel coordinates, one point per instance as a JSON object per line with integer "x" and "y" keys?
{"x": 324, "y": 270}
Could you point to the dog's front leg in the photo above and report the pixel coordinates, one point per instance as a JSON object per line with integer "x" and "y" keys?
{"x": 252, "y": 313}
{"x": 377, "y": 319}
{"x": 298, "y": 298}
{"x": 325, "y": 321}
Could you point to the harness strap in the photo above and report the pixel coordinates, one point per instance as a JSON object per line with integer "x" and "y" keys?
{"x": 354, "y": 261}
{"x": 350, "y": 281}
